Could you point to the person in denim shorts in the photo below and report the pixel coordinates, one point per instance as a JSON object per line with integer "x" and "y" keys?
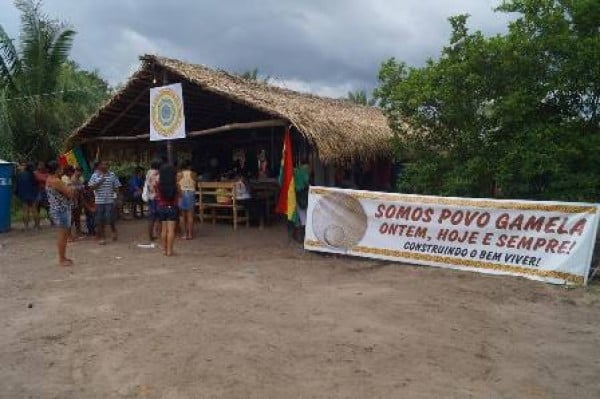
{"x": 59, "y": 201}
{"x": 186, "y": 180}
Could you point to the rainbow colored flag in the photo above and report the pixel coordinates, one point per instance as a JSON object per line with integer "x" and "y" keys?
{"x": 75, "y": 159}
{"x": 286, "y": 204}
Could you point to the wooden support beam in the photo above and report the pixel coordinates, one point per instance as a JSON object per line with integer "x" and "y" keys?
{"x": 131, "y": 105}
{"x": 239, "y": 126}
{"x": 125, "y": 116}
{"x": 204, "y": 132}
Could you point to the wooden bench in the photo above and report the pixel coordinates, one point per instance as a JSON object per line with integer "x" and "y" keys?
{"x": 211, "y": 205}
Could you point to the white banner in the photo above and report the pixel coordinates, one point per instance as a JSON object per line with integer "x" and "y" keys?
{"x": 167, "y": 119}
{"x": 547, "y": 241}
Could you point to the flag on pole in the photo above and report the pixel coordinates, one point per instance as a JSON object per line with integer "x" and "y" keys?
{"x": 286, "y": 204}
{"x": 62, "y": 161}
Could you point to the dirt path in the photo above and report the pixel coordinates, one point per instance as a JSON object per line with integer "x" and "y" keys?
{"x": 248, "y": 316}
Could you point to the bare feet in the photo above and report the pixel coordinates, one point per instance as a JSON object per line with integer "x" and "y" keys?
{"x": 66, "y": 262}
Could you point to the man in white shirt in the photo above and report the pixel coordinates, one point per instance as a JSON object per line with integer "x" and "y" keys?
{"x": 105, "y": 185}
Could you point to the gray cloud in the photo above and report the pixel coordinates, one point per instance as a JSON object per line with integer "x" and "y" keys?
{"x": 328, "y": 47}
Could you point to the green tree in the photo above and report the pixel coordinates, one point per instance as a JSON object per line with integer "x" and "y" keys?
{"x": 360, "y": 97}
{"x": 514, "y": 115}
{"x": 82, "y": 93}
{"x": 42, "y": 94}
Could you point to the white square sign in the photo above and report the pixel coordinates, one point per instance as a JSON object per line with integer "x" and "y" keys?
{"x": 167, "y": 119}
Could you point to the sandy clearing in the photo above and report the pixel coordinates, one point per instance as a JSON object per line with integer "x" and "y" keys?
{"x": 247, "y": 315}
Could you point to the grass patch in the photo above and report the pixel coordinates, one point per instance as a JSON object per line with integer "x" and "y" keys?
{"x": 16, "y": 212}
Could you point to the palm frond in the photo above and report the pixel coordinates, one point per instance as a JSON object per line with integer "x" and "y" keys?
{"x": 6, "y": 78}
{"x": 10, "y": 63}
{"x": 6, "y": 133}
{"x": 58, "y": 55}
{"x": 33, "y": 44}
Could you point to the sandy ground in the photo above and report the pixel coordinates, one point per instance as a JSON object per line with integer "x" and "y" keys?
{"x": 245, "y": 315}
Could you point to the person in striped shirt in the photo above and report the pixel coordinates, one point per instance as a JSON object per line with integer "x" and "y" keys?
{"x": 105, "y": 184}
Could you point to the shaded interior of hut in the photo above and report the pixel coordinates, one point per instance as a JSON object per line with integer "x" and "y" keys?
{"x": 255, "y": 153}
{"x": 254, "y": 157}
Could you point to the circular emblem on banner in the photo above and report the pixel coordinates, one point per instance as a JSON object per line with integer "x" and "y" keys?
{"x": 339, "y": 221}
{"x": 166, "y": 112}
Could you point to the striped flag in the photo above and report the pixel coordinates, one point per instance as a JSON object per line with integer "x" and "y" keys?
{"x": 75, "y": 159}
{"x": 286, "y": 204}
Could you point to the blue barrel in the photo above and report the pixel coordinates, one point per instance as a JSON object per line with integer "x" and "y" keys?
{"x": 6, "y": 190}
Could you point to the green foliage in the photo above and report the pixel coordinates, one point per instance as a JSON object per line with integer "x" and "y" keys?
{"x": 360, "y": 97}
{"x": 514, "y": 115}
{"x": 125, "y": 170}
{"x": 43, "y": 95}
{"x": 83, "y": 91}
{"x": 7, "y": 150}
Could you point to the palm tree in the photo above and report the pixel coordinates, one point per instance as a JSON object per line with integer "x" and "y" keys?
{"x": 360, "y": 97}
{"x": 29, "y": 78}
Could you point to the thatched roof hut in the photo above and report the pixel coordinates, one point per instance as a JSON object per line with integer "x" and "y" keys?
{"x": 217, "y": 101}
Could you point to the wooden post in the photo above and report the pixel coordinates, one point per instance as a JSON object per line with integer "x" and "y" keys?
{"x": 271, "y": 154}
{"x": 165, "y": 81}
{"x": 170, "y": 152}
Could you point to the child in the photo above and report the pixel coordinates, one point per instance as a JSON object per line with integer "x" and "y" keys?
{"x": 89, "y": 207}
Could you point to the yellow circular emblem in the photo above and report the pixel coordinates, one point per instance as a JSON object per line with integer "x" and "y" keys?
{"x": 166, "y": 112}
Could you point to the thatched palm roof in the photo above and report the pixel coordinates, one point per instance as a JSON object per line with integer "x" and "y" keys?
{"x": 339, "y": 129}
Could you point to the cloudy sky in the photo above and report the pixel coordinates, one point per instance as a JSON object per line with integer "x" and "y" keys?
{"x": 323, "y": 46}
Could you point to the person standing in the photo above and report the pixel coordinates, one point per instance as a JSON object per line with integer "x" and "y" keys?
{"x": 167, "y": 195}
{"x": 105, "y": 184}
{"x": 27, "y": 192}
{"x": 263, "y": 165}
{"x": 150, "y": 189}
{"x": 59, "y": 201}
{"x": 186, "y": 179}
{"x": 41, "y": 175}
{"x": 135, "y": 187}
{"x": 302, "y": 181}
{"x": 89, "y": 208}
{"x": 76, "y": 182}
{"x": 255, "y": 207}
{"x": 67, "y": 173}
